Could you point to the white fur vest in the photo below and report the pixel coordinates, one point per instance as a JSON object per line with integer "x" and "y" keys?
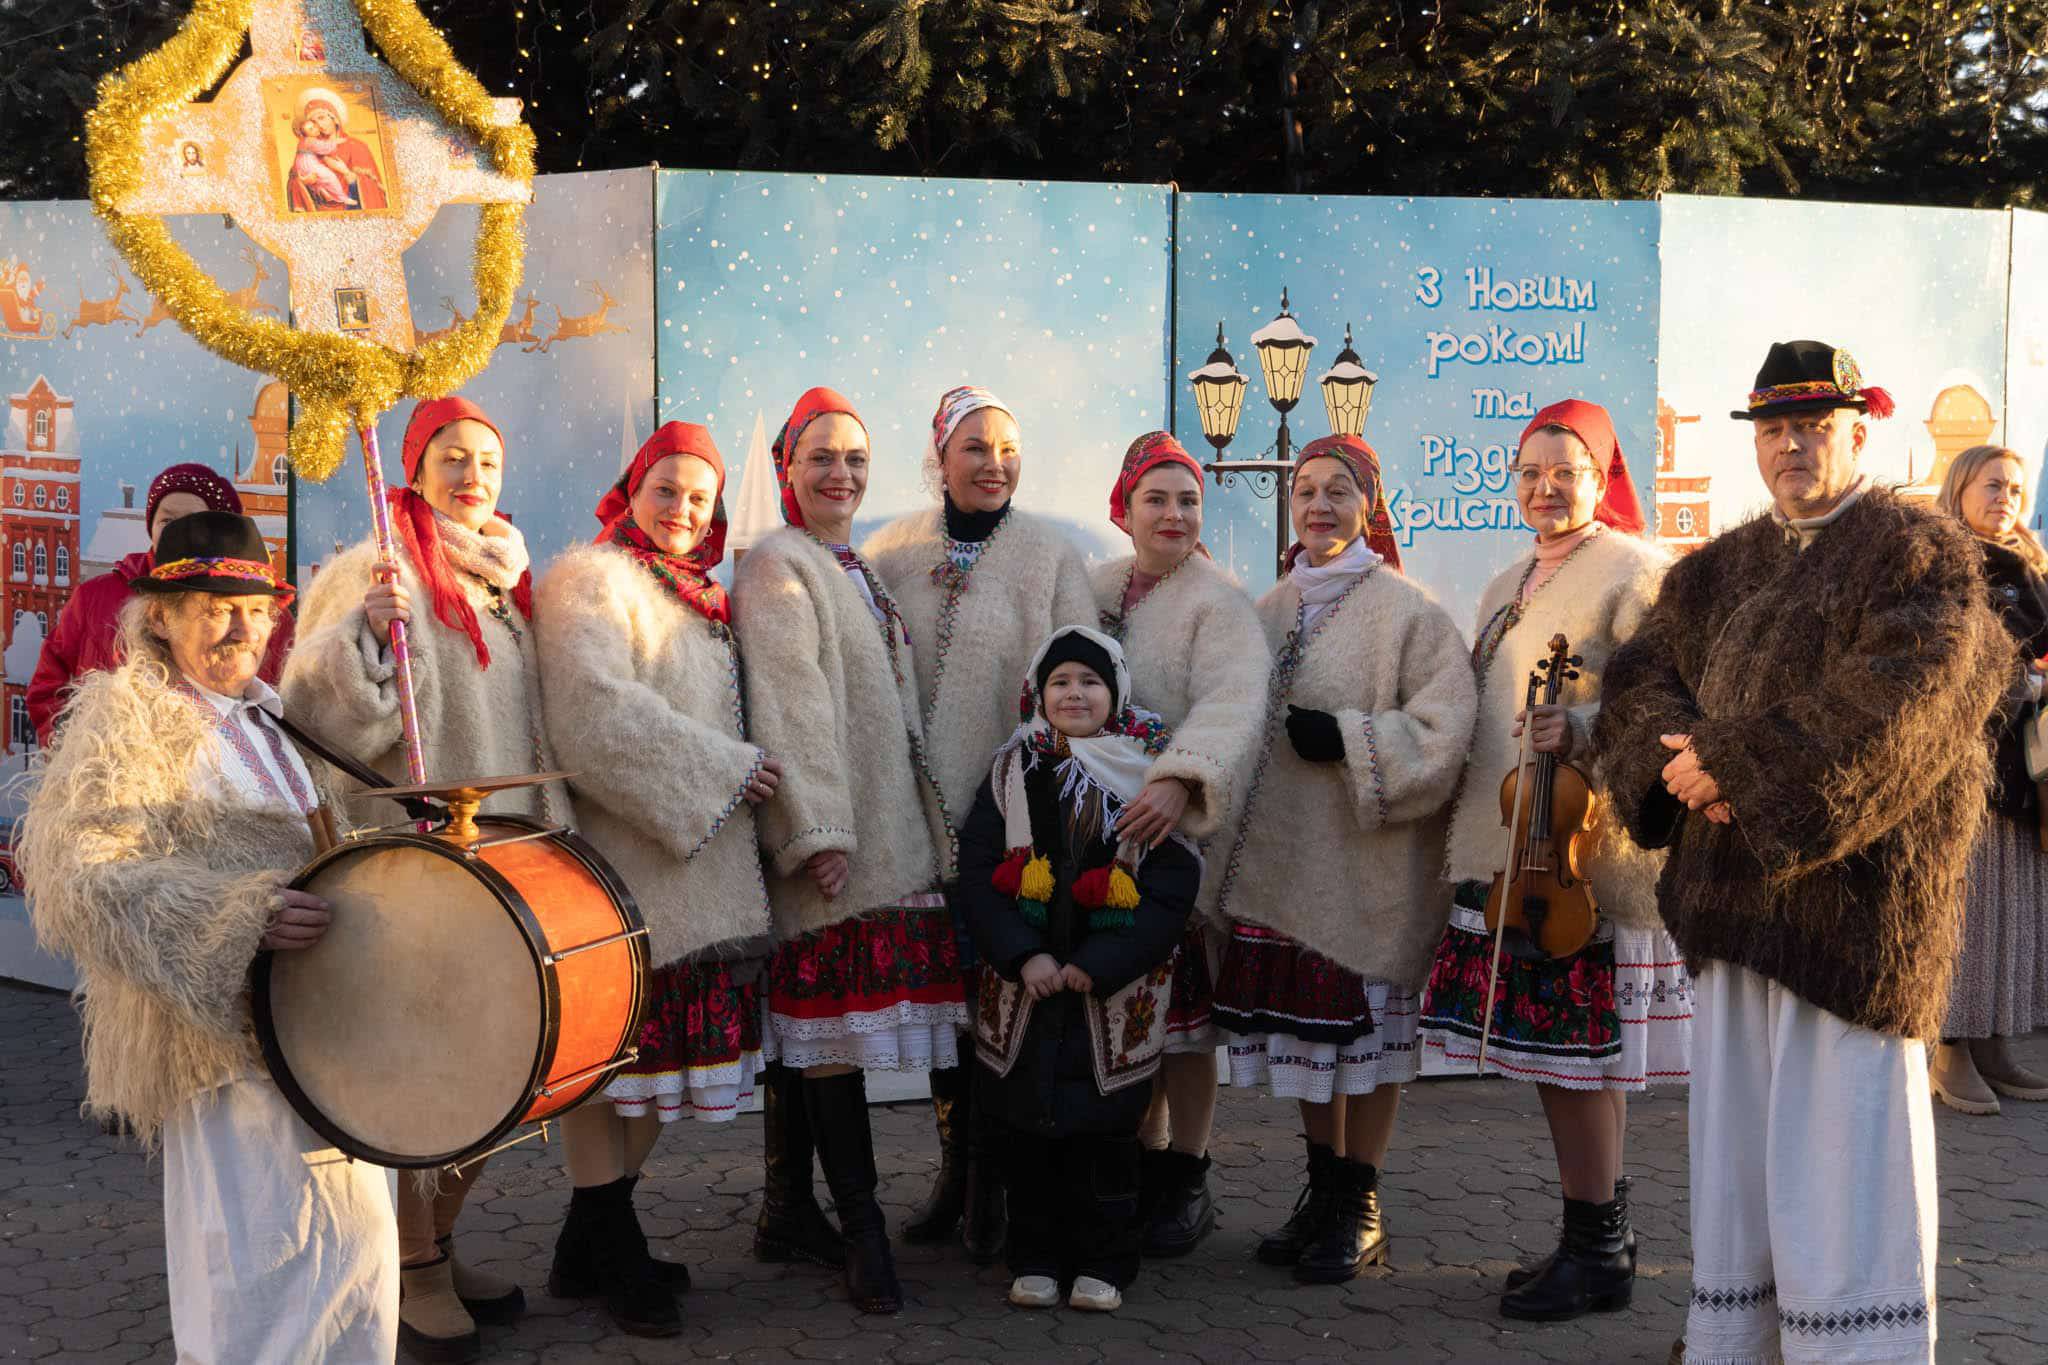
{"x": 157, "y": 890}
{"x": 1595, "y": 600}
{"x": 974, "y": 641}
{"x": 1344, "y": 857}
{"x": 833, "y": 698}
{"x": 643, "y": 705}
{"x": 474, "y": 722}
{"x": 1198, "y": 657}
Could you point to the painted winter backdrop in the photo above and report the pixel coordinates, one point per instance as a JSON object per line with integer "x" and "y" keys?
{"x": 1471, "y": 313}
{"x": 1918, "y": 296}
{"x": 893, "y": 291}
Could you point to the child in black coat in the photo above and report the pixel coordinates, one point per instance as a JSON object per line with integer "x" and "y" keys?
{"x": 1075, "y": 931}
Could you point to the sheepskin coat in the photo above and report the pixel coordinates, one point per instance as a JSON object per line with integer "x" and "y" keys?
{"x": 643, "y": 705}
{"x": 157, "y": 887}
{"x": 832, "y": 696}
{"x": 474, "y": 722}
{"x": 2020, "y": 597}
{"x": 1344, "y": 857}
{"x": 1198, "y": 657}
{"x": 974, "y": 638}
{"x": 1595, "y": 600}
{"x": 1839, "y": 696}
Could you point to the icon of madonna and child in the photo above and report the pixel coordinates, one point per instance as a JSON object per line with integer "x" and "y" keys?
{"x": 328, "y": 168}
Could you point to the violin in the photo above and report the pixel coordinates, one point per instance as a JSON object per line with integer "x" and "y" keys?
{"x": 1541, "y": 904}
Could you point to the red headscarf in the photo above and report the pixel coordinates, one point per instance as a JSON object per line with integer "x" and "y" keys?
{"x": 1619, "y": 507}
{"x": 1146, "y": 454}
{"x": 1364, "y": 463}
{"x": 415, "y": 517}
{"x": 210, "y": 488}
{"x": 815, "y": 403}
{"x": 688, "y": 576}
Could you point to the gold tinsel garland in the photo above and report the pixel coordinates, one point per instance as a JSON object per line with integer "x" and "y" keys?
{"x": 338, "y": 381}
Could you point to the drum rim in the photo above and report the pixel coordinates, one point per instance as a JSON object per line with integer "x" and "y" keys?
{"x": 529, "y": 927}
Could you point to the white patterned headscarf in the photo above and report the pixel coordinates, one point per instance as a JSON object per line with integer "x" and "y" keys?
{"x": 955, "y": 406}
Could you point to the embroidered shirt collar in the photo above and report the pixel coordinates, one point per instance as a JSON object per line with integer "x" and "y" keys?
{"x": 258, "y": 694}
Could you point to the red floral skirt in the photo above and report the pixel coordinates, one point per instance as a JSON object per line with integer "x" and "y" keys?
{"x": 700, "y": 1046}
{"x": 1189, "y": 1023}
{"x": 1271, "y": 984}
{"x": 883, "y": 991}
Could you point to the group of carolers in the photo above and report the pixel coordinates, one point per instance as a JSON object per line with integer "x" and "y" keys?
{"x": 1209, "y": 821}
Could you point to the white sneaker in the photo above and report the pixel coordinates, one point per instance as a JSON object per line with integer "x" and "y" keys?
{"x": 1095, "y": 1296}
{"x": 1036, "y": 1291}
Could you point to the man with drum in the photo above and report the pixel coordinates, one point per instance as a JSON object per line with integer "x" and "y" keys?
{"x": 155, "y": 852}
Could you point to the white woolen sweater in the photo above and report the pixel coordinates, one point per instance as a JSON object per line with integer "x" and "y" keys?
{"x": 826, "y": 701}
{"x": 474, "y": 722}
{"x": 1030, "y": 579}
{"x": 642, "y": 696}
{"x": 1595, "y": 600}
{"x": 1344, "y": 857}
{"x": 1199, "y": 658}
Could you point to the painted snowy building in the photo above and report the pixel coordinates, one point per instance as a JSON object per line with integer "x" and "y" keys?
{"x": 39, "y": 560}
{"x": 264, "y": 480}
{"x": 1684, "y": 515}
{"x": 18, "y": 669}
{"x": 116, "y": 533}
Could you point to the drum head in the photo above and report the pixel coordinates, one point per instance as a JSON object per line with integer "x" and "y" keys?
{"x": 412, "y": 1032}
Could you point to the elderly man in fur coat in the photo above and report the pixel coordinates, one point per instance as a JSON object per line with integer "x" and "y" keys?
{"x": 1800, "y": 719}
{"x": 156, "y": 849}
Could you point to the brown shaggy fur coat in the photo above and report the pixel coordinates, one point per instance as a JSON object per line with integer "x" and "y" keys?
{"x": 157, "y": 890}
{"x": 1839, "y": 698}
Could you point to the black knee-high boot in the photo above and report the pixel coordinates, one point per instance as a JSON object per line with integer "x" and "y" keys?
{"x": 985, "y": 1222}
{"x": 839, "y": 1124}
{"x": 791, "y": 1227}
{"x": 952, "y": 1104}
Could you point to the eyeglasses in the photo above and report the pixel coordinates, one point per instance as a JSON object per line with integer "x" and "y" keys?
{"x": 1563, "y": 477}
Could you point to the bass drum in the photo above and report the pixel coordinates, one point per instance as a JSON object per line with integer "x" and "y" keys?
{"x": 463, "y": 989}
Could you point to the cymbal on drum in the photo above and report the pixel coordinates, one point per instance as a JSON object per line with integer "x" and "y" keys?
{"x": 463, "y": 797}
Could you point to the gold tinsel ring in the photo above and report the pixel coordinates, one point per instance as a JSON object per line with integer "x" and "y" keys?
{"x": 338, "y": 381}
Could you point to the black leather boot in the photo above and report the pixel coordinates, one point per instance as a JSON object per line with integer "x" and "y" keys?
{"x": 985, "y": 1218}
{"x": 1521, "y": 1275}
{"x": 839, "y": 1122}
{"x": 952, "y": 1099}
{"x": 791, "y": 1226}
{"x": 1589, "y": 1274}
{"x": 601, "y": 1252}
{"x": 1352, "y": 1238}
{"x": 1186, "y": 1212}
{"x": 1285, "y": 1245}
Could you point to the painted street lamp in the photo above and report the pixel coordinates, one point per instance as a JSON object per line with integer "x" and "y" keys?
{"x": 1347, "y": 391}
{"x": 1219, "y": 394}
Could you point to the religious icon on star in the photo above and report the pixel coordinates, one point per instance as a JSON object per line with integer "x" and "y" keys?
{"x": 329, "y": 144}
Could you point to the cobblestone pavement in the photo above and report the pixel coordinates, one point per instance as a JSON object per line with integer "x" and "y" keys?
{"x": 1468, "y": 1191}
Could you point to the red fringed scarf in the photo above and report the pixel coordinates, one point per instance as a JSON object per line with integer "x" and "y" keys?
{"x": 1364, "y": 463}
{"x": 415, "y": 518}
{"x": 688, "y": 576}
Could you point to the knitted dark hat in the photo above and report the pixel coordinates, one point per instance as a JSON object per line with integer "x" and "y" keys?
{"x": 216, "y": 552}
{"x": 1811, "y": 376}
{"x": 1073, "y": 647}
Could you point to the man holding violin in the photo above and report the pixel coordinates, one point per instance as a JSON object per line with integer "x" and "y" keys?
{"x": 1800, "y": 720}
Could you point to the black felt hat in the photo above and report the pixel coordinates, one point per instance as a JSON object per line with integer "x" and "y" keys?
{"x": 217, "y": 552}
{"x": 1810, "y": 376}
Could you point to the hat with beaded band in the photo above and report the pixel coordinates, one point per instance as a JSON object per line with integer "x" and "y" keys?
{"x": 1811, "y": 376}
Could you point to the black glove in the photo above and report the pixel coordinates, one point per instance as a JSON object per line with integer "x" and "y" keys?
{"x": 1315, "y": 736}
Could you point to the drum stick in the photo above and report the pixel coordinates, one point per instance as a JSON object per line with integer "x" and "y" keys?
{"x": 321, "y": 821}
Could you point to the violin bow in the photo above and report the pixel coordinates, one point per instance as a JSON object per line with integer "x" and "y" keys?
{"x": 1500, "y": 924}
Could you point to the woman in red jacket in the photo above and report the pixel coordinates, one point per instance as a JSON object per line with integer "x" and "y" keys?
{"x": 83, "y": 639}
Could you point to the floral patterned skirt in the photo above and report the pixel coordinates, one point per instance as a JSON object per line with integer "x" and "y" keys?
{"x": 1190, "y": 1022}
{"x": 700, "y": 1047}
{"x": 1306, "y": 1028}
{"x": 883, "y": 992}
{"x": 1616, "y": 1015}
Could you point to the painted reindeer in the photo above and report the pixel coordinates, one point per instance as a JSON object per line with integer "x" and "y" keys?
{"x": 247, "y": 298}
{"x": 455, "y": 320}
{"x": 570, "y": 327}
{"x": 102, "y": 312}
{"x": 521, "y": 331}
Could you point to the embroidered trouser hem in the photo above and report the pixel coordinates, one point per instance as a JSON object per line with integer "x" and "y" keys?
{"x": 1814, "y": 1206}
